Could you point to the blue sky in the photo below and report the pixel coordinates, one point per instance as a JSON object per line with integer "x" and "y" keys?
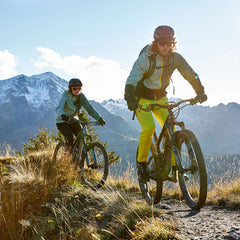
{"x": 99, "y": 40}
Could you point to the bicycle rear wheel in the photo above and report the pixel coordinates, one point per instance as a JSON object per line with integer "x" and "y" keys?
{"x": 192, "y": 173}
{"x": 94, "y": 165}
{"x": 152, "y": 190}
{"x": 60, "y": 152}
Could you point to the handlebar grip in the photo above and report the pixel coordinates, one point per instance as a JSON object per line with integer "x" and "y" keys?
{"x": 194, "y": 100}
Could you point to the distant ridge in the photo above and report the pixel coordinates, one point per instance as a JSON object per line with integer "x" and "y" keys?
{"x": 28, "y": 102}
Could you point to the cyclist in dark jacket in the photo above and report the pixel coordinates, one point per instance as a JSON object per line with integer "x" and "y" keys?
{"x": 153, "y": 88}
{"x": 71, "y": 102}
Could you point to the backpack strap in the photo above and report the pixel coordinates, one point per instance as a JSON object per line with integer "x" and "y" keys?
{"x": 152, "y": 66}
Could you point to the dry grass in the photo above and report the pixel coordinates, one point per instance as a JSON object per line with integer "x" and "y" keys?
{"x": 154, "y": 228}
{"x": 225, "y": 187}
{"x": 42, "y": 199}
{"x": 126, "y": 182}
{"x": 26, "y": 187}
{"x": 225, "y": 194}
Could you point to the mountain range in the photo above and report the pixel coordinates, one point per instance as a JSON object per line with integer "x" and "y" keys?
{"x": 29, "y": 102}
{"x": 217, "y": 128}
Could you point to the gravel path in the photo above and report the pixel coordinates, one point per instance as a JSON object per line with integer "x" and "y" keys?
{"x": 211, "y": 222}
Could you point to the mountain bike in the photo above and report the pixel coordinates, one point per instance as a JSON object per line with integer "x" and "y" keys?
{"x": 182, "y": 145}
{"x": 90, "y": 156}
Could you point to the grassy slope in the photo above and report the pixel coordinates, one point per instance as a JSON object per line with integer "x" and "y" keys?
{"x": 42, "y": 200}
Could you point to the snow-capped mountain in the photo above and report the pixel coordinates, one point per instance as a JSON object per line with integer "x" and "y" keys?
{"x": 40, "y": 91}
{"x": 117, "y": 107}
{"x": 28, "y": 102}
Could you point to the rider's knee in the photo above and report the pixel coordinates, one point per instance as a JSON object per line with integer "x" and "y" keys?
{"x": 148, "y": 131}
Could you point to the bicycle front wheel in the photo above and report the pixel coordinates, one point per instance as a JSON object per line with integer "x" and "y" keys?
{"x": 95, "y": 165}
{"x": 60, "y": 152}
{"x": 192, "y": 173}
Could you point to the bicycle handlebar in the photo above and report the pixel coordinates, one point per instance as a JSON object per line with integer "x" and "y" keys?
{"x": 88, "y": 122}
{"x": 71, "y": 120}
{"x": 170, "y": 106}
{"x": 148, "y": 107}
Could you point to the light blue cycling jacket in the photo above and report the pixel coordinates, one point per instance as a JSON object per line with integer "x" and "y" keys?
{"x": 70, "y": 106}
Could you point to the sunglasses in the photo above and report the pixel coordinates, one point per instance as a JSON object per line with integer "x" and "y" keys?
{"x": 163, "y": 43}
{"x": 76, "y": 88}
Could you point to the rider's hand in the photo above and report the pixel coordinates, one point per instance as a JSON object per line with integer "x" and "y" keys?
{"x": 130, "y": 98}
{"x": 65, "y": 118}
{"x": 132, "y": 104}
{"x": 101, "y": 122}
{"x": 202, "y": 97}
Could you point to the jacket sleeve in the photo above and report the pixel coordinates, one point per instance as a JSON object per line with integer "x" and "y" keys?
{"x": 89, "y": 108}
{"x": 188, "y": 73}
{"x": 61, "y": 104}
{"x": 140, "y": 67}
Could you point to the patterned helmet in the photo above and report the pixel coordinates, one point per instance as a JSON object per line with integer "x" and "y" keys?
{"x": 164, "y": 32}
{"x": 75, "y": 82}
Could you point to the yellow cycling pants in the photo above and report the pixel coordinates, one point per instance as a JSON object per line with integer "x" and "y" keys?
{"x": 147, "y": 123}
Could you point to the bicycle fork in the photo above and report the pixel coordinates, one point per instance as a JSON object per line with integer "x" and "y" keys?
{"x": 94, "y": 164}
{"x": 178, "y": 157}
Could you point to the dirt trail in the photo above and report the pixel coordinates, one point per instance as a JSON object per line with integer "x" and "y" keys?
{"x": 211, "y": 222}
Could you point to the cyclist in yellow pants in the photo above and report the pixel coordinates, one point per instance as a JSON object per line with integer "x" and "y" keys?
{"x": 147, "y": 123}
{"x": 147, "y": 83}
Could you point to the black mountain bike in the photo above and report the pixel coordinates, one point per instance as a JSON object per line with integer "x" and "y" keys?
{"x": 90, "y": 156}
{"x": 184, "y": 147}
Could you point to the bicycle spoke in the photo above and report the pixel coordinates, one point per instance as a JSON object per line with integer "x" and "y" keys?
{"x": 192, "y": 176}
{"x": 95, "y": 168}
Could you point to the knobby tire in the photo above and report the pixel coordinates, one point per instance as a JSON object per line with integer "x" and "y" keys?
{"x": 193, "y": 183}
{"x": 95, "y": 177}
{"x": 57, "y": 151}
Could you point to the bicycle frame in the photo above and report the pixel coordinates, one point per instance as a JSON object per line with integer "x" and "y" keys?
{"x": 81, "y": 144}
{"x": 167, "y": 129}
{"x": 189, "y": 160}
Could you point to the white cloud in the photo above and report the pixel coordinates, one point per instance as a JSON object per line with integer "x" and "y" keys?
{"x": 8, "y": 63}
{"x": 102, "y": 78}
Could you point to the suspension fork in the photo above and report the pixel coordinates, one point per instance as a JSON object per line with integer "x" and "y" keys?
{"x": 175, "y": 144}
{"x": 86, "y": 149}
{"x": 171, "y": 128}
